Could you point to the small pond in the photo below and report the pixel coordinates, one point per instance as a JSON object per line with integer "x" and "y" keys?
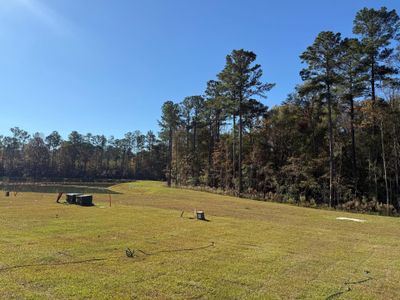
{"x": 81, "y": 187}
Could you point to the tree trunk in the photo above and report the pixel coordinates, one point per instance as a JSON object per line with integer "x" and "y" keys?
{"x": 373, "y": 96}
{"x": 374, "y": 125}
{"x": 176, "y": 159}
{"x": 396, "y": 167}
{"x": 353, "y": 145}
{"x": 234, "y": 151}
{"x": 169, "y": 158}
{"x": 194, "y": 150}
{"x": 240, "y": 147}
{"x": 331, "y": 158}
{"x": 217, "y": 121}
{"x": 210, "y": 181}
{"x": 384, "y": 169}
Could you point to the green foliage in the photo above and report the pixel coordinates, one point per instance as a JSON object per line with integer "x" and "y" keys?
{"x": 81, "y": 156}
{"x": 319, "y": 147}
{"x": 377, "y": 30}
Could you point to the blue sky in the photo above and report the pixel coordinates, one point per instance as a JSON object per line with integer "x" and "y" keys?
{"x": 106, "y": 67}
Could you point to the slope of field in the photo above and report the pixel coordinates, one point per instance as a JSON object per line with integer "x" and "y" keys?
{"x": 247, "y": 249}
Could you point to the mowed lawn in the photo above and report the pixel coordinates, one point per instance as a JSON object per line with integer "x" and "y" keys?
{"x": 247, "y": 249}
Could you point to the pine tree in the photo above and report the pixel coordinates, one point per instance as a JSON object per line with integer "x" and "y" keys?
{"x": 241, "y": 78}
{"x": 170, "y": 119}
{"x": 322, "y": 58}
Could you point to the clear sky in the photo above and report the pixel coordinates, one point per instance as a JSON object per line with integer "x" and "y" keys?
{"x": 106, "y": 67}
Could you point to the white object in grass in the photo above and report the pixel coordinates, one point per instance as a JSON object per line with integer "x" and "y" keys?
{"x": 351, "y": 219}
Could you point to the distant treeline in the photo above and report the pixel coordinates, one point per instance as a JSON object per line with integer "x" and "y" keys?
{"x": 85, "y": 157}
{"x": 334, "y": 141}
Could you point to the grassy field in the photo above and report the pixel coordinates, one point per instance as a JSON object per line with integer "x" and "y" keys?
{"x": 247, "y": 250}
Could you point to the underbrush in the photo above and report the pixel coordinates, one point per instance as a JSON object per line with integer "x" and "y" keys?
{"x": 364, "y": 205}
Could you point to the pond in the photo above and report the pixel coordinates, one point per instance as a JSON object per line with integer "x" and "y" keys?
{"x": 81, "y": 187}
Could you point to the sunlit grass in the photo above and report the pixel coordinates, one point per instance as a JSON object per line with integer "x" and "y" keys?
{"x": 261, "y": 250}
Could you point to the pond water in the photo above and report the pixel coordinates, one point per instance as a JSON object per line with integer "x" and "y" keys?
{"x": 84, "y": 188}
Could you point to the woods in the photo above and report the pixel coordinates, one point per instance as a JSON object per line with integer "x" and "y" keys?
{"x": 81, "y": 156}
{"x": 334, "y": 141}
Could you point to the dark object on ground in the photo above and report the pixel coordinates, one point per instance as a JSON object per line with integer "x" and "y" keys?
{"x": 129, "y": 252}
{"x": 84, "y": 200}
{"x": 71, "y": 197}
{"x": 7, "y": 194}
{"x": 59, "y": 197}
{"x": 200, "y": 215}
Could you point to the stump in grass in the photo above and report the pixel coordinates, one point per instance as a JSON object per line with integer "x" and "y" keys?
{"x": 200, "y": 215}
{"x": 7, "y": 194}
{"x": 84, "y": 200}
{"x": 71, "y": 197}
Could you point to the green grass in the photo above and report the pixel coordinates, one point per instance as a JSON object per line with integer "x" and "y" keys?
{"x": 261, "y": 250}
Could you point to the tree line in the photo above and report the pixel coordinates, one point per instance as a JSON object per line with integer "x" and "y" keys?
{"x": 334, "y": 141}
{"x": 83, "y": 157}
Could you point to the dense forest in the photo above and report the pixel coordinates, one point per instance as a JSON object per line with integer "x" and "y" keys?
{"x": 82, "y": 157}
{"x": 334, "y": 141}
